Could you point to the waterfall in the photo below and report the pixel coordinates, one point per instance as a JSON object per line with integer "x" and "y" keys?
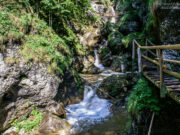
{"x": 90, "y": 111}
{"x": 97, "y": 61}
{"x": 113, "y": 19}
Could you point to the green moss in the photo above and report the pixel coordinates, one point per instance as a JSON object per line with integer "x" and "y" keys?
{"x": 29, "y": 124}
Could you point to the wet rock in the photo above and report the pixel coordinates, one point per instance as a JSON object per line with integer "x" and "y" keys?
{"x": 114, "y": 85}
{"x": 91, "y": 69}
{"x": 77, "y": 63}
{"x": 56, "y": 109}
{"x": 52, "y": 124}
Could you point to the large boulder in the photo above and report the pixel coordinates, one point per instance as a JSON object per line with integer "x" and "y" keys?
{"x": 52, "y": 124}
{"x": 114, "y": 85}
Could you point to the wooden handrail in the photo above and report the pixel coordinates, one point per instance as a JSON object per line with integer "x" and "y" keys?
{"x": 175, "y": 74}
{"x": 158, "y": 60}
{"x": 171, "y": 61}
{"x": 162, "y": 47}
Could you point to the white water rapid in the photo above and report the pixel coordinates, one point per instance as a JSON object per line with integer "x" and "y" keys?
{"x": 90, "y": 111}
{"x": 97, "y": 61}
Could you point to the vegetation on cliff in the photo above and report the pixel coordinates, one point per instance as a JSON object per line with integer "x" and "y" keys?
{"x": 45, "y": 30}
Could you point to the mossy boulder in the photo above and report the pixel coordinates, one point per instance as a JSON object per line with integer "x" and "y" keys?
{"x": 114, "y": 85}
{"x": 114, "y": 42}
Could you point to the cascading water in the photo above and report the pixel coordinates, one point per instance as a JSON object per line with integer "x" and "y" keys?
{"x": 113, "y": 19}
{"x": 90, "y": 111}
{"x": 97, "y": 61}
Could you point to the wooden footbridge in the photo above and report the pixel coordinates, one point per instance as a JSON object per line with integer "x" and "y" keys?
{"x": 154, "y": 67}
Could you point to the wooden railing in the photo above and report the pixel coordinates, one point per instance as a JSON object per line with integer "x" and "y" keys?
{"x": 155, "y": 51}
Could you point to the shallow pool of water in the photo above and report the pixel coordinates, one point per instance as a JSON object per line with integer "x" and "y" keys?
{"x": 118, "y": 124}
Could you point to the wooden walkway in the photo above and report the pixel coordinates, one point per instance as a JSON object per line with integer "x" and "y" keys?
{"x": 154, "y": 67}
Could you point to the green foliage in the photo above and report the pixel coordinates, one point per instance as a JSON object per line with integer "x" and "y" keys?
{"x": 114, "y": 42}
{"x": 104, "y": 51}
{"x": 29, "y": 124}
{"x": 127, "y": 40}
{"x": 45, "y": 29}
{"x": 45, "y": 46}
{"x": 129, "y": 16}
{"x": 9, "y": 29}
{"x": 109, "y": 28}
{"x": 143, "y": 99}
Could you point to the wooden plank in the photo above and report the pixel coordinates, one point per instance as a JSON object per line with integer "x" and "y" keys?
{"x": 171, "y": 83}
{"x": 162, "y": 47}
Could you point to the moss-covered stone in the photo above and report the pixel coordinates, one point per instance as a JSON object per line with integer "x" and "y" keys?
{"x": 114, "y": 85}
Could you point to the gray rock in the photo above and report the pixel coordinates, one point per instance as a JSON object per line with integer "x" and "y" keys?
{"x": 23, "y": 85}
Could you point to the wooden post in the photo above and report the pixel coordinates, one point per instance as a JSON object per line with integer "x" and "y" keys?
{"x": 150, "y": 127}
{"x": 157, "y": 54}
{"x": 161, "y": 67}
{"x": 133, "y": 51}
{"x": 162, "y": 90}
{"x": 146, "y": 45}
{"x": 139, "y": 60}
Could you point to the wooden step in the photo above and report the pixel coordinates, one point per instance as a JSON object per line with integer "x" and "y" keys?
{"x": 173, "y": 86}
{"x": 175, "y": 90}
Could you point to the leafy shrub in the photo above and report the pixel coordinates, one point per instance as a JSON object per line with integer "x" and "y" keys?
{"x": 143, "y": 99}
{"x": 9, "y": 30}
{"x": 27, "y": 124}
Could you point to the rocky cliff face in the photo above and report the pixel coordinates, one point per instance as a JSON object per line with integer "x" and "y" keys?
{"x": 169, "y": 26}
{"x": 25, "y": 85}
